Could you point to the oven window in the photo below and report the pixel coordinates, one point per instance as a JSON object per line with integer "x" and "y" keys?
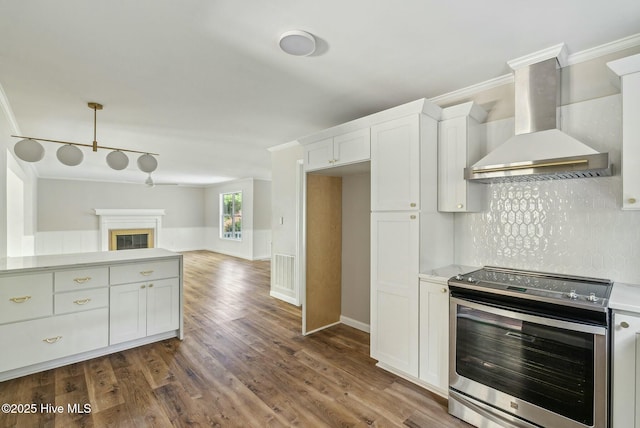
{"x": 550, "y": 367}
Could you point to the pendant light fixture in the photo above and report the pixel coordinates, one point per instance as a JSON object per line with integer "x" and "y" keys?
{"x": 30, "y": 150}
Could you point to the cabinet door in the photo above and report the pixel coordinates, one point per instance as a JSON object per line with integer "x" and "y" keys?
{"x": 395, "y": 165}
{"x": 394, "y": 289}
{"x": 352, "y": 147}
{"x": 318, "y": 155}
{"x": 163, "y": 306}
{"x": 434, "y": 335}
{"x": 128, "y": 312}
{"x": 630, "y": 142}
{"x": 626, "y": 370}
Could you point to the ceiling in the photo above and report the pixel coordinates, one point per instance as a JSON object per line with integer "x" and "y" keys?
{"x": 204, "y": 83}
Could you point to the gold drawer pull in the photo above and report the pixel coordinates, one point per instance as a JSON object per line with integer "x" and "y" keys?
{"x": 82, "y": 280}
{"x": 20, "y": 299}
{"x": 146, "y": 272}
{"x": 150, "y": 285}
{"x": 52, "y": 339}
{"x": 81, "y": 301}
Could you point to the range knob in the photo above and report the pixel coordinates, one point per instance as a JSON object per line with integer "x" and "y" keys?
{"x": 572, "y": 295}
{"x": 471, "y": 280}
{"x": 458, "y": 277}
{"x": 592, "y": 297}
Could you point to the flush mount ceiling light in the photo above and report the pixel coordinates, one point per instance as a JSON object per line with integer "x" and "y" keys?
{"x": 30, "y": 150}
{"x": 298, "y": 43}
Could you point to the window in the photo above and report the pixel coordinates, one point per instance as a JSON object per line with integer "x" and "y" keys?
{"x": 231, "y": 216}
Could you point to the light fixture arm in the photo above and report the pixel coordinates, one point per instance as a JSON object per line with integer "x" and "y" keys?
{"x": 86, "y": 145}
{"x": 94, "y": 146}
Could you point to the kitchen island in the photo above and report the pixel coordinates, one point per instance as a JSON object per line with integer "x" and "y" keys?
{"x": 61, "y": 309}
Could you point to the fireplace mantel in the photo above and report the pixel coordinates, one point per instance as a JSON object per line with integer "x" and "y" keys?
{"x": 126, "y": 218}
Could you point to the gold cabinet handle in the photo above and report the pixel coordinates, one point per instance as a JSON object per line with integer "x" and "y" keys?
{"x": 82, "y": 280}
{"x": 412, "y": 204}
{"x": 150, "y": 285}
{"x": 632, "y": 200}
{"x": 444, "y": 290}
{"x": 52, "y": 339}
{"x": 460, "y": 206}
{"x": 20, "y": 299}
{"x": 412, "y": 217}
{"x": 624, "y": 324}
{"x": 143, "y": 286}
{"x": 146, "y": 272}
{"x": 81, "y": 301}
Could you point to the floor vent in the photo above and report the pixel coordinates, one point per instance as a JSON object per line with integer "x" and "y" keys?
{"x": 283, "y": 271}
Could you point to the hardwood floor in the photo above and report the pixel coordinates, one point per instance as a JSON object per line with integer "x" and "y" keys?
{"x": 243, "y": 363}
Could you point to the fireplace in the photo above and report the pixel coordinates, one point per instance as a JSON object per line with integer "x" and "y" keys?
{"x": 128, "y": 239}
{"x": 129, "y": 225}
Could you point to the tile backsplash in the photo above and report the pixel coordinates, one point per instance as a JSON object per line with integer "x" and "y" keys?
{"x": 573, "y": 226}
{"x": 566, "y": 226}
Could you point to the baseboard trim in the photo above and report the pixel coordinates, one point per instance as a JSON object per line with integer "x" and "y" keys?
{"x": 284, "y": 297}
{"x": 355, "y": 324}
{"x": 322, "y": 328}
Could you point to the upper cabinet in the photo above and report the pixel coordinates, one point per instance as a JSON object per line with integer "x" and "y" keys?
{"x": 460, "y": 145}
{"x": 395, "y": 165}
{"x": 629, "y": 71}
{"x": 343, "y": 149}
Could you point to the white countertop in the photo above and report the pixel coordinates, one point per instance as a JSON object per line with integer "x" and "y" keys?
{"x": 445, "y": 272}
{"x": 15, "y": 264}
{"x": 625, "y": 297}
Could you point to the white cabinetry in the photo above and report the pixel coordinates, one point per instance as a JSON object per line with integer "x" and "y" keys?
{"x": 629, "y": 71}
{"x": 58, "y": 311}
{"x": 459, "y": 146}
{"x": 434, "y": 334}
{"x": 626, "y": 370}
{"x": 395, "y": 165}
{"x": 140, "y": 309}
{"x": 343, "y": 149}
{"x": 395, "y": 244}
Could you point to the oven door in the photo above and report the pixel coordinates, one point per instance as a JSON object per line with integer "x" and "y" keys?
{"x": 546, "y": 371}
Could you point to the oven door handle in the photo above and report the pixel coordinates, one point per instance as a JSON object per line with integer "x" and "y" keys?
{"x": 552, "y": 322}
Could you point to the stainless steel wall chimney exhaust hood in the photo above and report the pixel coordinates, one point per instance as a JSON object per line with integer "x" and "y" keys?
{"x": 539, "y": 150}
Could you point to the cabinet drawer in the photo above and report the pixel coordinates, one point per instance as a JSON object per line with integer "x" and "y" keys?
{"x": 81, "y": 300}
{"x": 25, "y": 296}
{"x": 79, "y": 279}
{"x": 46, "y": 339}
{"x": 138, "y": 272}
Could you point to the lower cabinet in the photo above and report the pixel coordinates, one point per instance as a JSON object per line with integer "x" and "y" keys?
{"x": 434, "y": 334}
{"x": 626, "y": 370}
{"x": 45, "y": 339}
{"x": 144, "y": 309}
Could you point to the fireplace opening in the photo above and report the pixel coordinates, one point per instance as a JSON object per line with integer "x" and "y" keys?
{"x": 128, "y": 239}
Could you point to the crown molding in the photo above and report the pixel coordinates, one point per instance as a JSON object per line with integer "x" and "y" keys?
{"x": 558, "y": 51}
{"x": 602, "y": 50}
{"x": 472, "y": 90}
{"x": 576, "y": 58}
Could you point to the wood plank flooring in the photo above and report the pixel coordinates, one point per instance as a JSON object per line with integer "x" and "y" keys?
{"x": 243, "y": 363}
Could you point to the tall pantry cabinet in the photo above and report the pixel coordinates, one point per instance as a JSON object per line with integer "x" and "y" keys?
{"x": 408, "y": 234}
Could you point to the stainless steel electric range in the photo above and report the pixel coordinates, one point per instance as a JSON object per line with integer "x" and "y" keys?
{"x": 529, "y": 349}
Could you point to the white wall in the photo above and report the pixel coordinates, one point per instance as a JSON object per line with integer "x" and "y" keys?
{"x": 18, "y": 188}
{"x": 284, "y": 203}
{"x": 251, "y": 239}
{"x": 356, "y": 248}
